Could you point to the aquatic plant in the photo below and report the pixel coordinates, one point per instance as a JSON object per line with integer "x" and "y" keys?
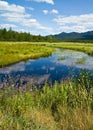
{"x": 61, "y": 58}
{"x": 81, "y": 60}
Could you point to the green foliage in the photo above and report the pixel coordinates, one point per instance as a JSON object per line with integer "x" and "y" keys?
{"x": 84, "y": 47}
{"x": 68, "y": 105}
{"x": 85, "y": 79}
{"x": 10, "y": 35}
{"x": 81, "y": 60}
{"x": 14, "y": 52}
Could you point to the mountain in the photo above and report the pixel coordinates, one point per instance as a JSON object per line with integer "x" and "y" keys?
{"x": 74, "y": 36}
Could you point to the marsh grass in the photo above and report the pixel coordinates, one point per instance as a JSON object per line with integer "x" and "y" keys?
{"x": 14, "y": 52}
{"x": 65, "y": 106}
{"x": 84, "y": 47}
{"x": 61, "y": 58}
{"x": 81, "y": 60}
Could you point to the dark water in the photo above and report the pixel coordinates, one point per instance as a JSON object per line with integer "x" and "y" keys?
{"x": 46, "y": 69}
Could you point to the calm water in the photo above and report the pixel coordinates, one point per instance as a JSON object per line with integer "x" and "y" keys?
{"x": 46, "y": 69}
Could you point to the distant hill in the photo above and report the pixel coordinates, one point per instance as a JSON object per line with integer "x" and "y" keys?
{"x": 74, "y": 36}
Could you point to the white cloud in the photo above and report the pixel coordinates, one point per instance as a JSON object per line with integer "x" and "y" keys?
{"x": 80, "y": 23}
{"x": 46, "y": 1}
{"x": 16, "y": 14}
{"x": 30, "y": 8}
{"x": 8, "y": 26}
{"x": 45, "y": 11}
{"x": 12, "y": 8}
{"x": 54, "y": 11}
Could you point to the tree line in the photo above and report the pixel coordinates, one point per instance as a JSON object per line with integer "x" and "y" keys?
{"x": 11, "y": 35}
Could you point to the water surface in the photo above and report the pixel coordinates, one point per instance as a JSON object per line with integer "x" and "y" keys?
{"x": 61, "y": 64}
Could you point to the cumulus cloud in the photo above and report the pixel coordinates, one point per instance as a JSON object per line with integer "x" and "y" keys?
{"x": 46, "y": 1}
{"x": 14, "y": 17}
{"x": 17, "y": 15}
{"x": 53, "y": 11}
{"x": 4, "y": 6}
{"x": 45, "y": 11}
{"x": 80, "y": 23}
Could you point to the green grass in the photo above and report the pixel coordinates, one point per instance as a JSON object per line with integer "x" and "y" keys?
{"x": 14, "y": 52}
{"x": 84, "y": 47}
{"x": 61, "y": 58}
{"x": 81, "y": 60}
{"x": 65, "y": 106}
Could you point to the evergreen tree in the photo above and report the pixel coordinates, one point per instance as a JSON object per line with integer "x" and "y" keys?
{"x": 10, "y": 35}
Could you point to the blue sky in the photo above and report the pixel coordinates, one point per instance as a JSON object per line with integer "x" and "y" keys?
{"x": 46, "y": 17}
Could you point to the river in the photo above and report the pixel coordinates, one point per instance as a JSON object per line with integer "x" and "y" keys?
{"x": 60, "y": 65}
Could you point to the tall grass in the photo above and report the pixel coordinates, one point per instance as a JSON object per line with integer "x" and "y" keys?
{"x": 12, "y": 52}
{"x": 15, "y": 52}
{"x": 84, "y": 47}
{"x": 65, "y": 106}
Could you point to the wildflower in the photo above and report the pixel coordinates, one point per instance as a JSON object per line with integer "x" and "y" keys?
{"x": 31, "y": 90}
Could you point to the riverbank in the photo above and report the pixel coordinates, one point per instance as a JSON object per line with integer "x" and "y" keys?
{"x": 84, "y": 47}
{"x": 13, "y": 52}
{"x": 65, "y": 106}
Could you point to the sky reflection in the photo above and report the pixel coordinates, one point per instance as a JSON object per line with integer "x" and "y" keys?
{"x": 48, "y": 69}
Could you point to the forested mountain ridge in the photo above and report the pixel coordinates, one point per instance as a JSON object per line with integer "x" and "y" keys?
{"x": 74, "y": 36}
{"x": 11, "y": 35}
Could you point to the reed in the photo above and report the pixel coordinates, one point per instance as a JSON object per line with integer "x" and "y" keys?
{"x": 14, "y": 52}
{"x": 84, "y": 47}
{"x": 65, "y": 106}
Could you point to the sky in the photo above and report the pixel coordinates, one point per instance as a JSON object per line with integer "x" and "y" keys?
{"x": 47, "y": 17}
